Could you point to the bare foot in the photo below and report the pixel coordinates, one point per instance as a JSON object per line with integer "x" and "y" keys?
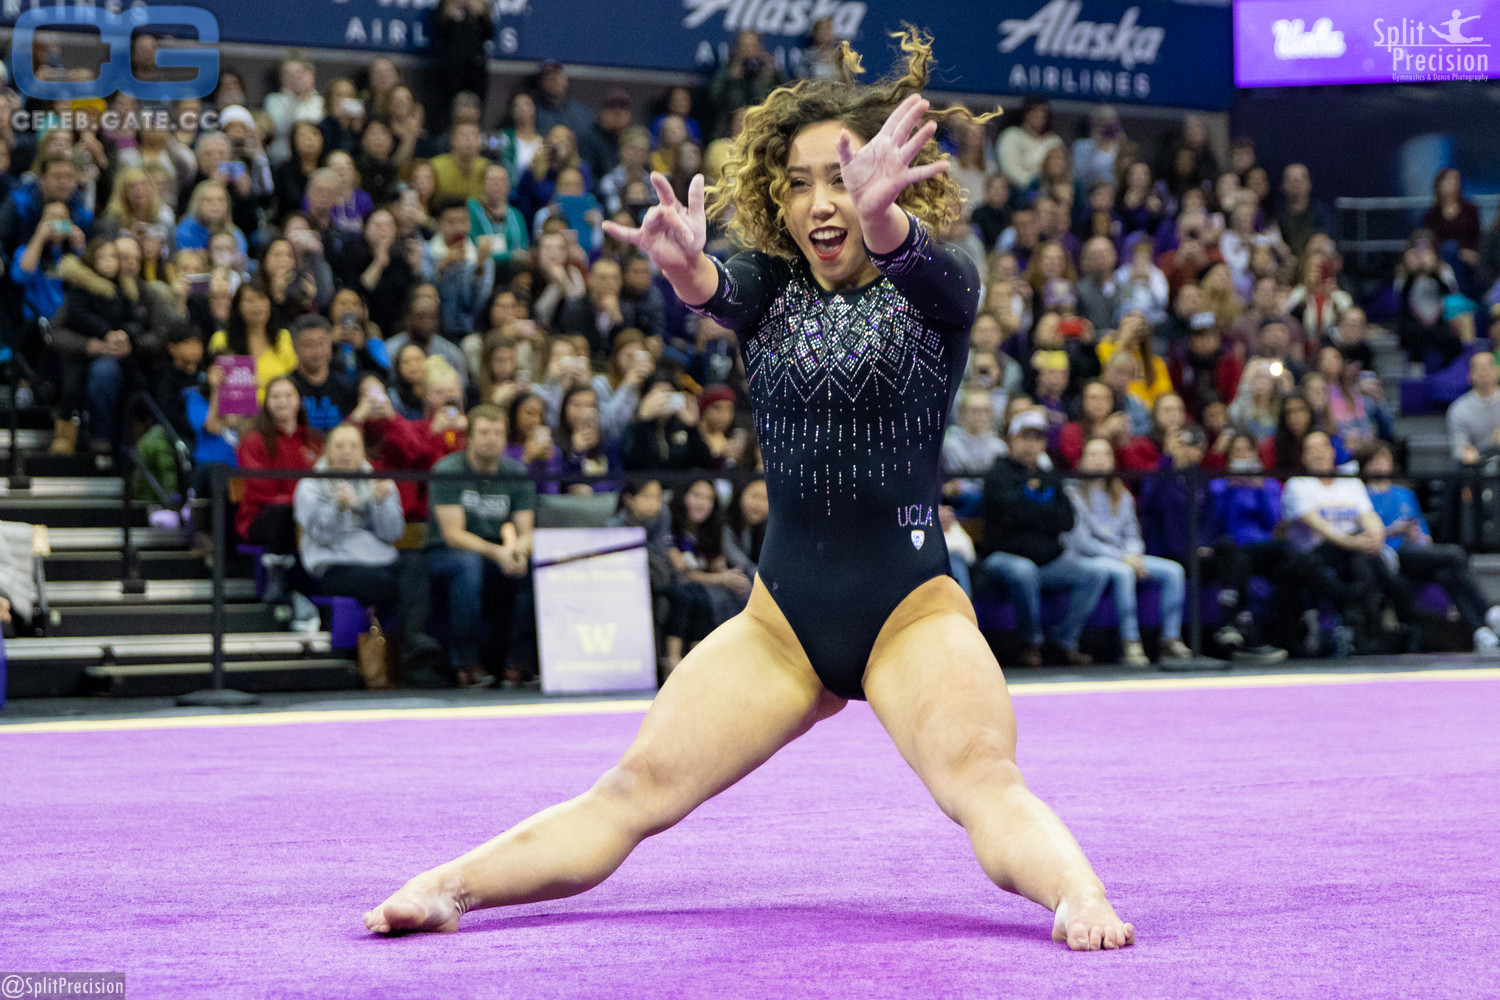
{"x": 433, "y": 901}
{"x": 1087, "y": 922}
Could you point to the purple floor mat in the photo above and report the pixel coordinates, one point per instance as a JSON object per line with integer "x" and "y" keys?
{"x": 1336, "y": 841}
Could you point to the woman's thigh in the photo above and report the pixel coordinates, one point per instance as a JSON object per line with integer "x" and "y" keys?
{"x": 1163, "y": 571}
{"x": 938, "y": 691}
{"x": 739, "y": 696}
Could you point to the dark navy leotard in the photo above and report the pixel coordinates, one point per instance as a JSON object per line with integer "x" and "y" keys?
{"x": 851, "y": 392}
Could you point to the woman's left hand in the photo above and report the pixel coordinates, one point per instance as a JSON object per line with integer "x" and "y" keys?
{"x": 877, "y": 173}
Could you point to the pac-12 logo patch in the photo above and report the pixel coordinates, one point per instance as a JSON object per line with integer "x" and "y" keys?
{"x": 918, "y": 537}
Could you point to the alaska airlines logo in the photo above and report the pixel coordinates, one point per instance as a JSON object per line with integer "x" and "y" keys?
{"x": 1058, "y": 32}
{"x": 1294, "y": 42}
{"x": 777, "y": 17}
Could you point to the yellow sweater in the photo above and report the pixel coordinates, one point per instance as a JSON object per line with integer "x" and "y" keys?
{"x": 452, "y": 181}
{"x": 1157, "y": 382}
{"x": 277, "y": 360}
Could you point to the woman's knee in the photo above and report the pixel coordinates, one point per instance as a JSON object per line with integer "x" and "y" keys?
{"x": 971, "y": 769}
{"x": 646, "y": 798}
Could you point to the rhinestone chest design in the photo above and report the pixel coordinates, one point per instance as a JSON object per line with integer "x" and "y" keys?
{"x": 850, "y": 393}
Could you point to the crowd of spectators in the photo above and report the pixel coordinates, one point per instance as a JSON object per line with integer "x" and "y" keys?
{"x": 412, "y": 299}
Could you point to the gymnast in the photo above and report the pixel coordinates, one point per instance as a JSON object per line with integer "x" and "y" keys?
{"x": 854, "y": 322}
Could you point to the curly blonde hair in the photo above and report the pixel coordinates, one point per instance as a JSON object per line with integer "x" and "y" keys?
{"x": 754, "y": 183}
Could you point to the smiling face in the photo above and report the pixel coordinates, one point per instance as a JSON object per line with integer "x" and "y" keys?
{"x": 819, "y": 212}
{"x": 345, "y": 449}
{"x": 282, "y": 402}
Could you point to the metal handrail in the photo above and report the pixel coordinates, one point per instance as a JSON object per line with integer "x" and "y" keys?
{"x": 1364, "y": 245}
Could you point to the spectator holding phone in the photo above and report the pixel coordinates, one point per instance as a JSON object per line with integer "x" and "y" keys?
{"x": 358, "y": 348}
{"x": 537, "y": 185}
{"x": 583, "y": 449}
{"x": 396, "y": 442}
{"x": 493, "y": 215}
{"x": 463, "y": 271}
{"x": 618, "y": 389}
{"x": 530, "y": 441}
{"x": 664, "y": 434}
{"x": 135, "y": 207}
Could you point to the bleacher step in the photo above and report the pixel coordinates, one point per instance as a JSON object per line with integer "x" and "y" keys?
{"x": 97, "y": 539}
{"x": 69, "y": 512}
{"x": 82, "y": 592}
{"x": 70, "y": 566}
{"x": 66, "y": 486}
{"x": 95, "y": 650}
{"x": 167, "y": 679}
{"x": 158, "y": 619}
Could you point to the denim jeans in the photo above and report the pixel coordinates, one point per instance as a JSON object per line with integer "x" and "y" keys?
{"x": 1025, "y": 580}
{"x": 484, "y": 605}
{"x": 105, "y": 385}
{"x": 1122, "y": 584}
{"x": 960, "y": 570}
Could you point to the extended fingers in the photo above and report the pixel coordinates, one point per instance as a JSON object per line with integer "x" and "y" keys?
{"x": 915, "y": 175}
{"x": 663, "y": 189}
{"x": 846, "y": 147}
{"x": 905, "y": 118}
{"x": 625, "y": 234}
{"x": 911, "y": 147}
{"x": 695, "y": 197}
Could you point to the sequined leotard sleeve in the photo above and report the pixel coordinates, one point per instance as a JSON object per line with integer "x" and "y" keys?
{"x": 851, "y": 392}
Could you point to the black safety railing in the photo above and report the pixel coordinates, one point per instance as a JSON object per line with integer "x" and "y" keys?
{"x": 17, "y": 370}
{"x": 1466, "y": 489}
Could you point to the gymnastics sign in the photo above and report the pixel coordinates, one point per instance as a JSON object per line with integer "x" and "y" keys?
{"x": 1279, "y": 43}
{"x": 593, "y": 610}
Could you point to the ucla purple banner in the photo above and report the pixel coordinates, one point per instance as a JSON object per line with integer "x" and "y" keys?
{"x": 1146, "y": 52}
{"x": 1280, "y": 43}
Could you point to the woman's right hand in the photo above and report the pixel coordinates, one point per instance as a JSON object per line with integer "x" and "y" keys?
{"x": 672, "y": 234}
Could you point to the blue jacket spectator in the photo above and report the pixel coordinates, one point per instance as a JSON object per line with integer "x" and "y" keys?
{"x": 56, "y": 180}
{"x": 1165, "y": 502}
{"x": 1247, "y": 510}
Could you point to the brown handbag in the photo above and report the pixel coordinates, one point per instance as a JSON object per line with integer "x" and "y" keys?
{"x": 374, "y": 664}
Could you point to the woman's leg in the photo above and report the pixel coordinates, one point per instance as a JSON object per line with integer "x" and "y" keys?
{"x": 1122, "y": 588}
{"x": 1169, "y": 576}
{"x": 935, "y": 686}
{"x": 744, "y": 693}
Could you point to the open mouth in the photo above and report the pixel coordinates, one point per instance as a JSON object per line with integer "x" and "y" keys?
{"x": 828, "y": 241}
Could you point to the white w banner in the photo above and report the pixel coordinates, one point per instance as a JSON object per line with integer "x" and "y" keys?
{"x": 593, "y": 610}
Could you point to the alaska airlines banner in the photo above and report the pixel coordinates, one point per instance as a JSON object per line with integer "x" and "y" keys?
{"x": 1280, "y": 43}
{"x": 1117, "y": 51}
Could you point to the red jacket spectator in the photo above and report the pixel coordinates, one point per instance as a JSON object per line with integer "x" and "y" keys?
{"x": 1187, "y": 368}
{"x": 295, "y": 452}
{"x": 396, "y": 443}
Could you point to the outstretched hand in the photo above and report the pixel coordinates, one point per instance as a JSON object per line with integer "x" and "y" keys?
{"x": 877, "y": 173}
{"x": 671, "y": 234}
